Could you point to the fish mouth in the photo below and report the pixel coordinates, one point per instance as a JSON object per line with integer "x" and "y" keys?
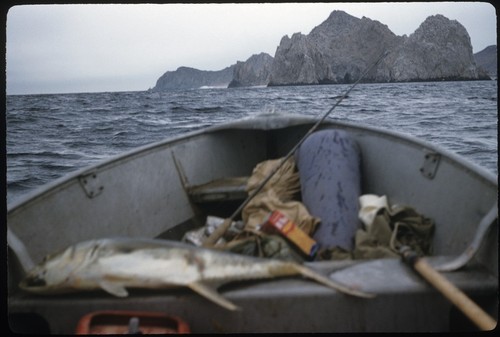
{"x": 32, "y": 283}
{"x": 40, "y": 287}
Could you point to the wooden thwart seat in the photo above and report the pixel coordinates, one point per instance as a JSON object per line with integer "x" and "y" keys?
{"x": 224, "y": 189}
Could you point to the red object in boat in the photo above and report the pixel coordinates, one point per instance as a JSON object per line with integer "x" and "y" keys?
{"x": 130, "y": 322}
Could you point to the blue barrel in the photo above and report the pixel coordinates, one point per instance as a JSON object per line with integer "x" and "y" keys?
{"x": 330, "y": 176}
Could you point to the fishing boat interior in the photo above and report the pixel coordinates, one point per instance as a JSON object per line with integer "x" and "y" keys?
{"x": 168, "y": 188}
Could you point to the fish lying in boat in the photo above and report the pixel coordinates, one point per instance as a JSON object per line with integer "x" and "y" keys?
{"x": 116, "y": 264}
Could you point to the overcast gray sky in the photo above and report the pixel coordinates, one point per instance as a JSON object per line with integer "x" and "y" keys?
{"x": 93, "y": 48}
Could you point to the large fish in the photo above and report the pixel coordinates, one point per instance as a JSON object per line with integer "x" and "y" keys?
{"x": 116, "y": 264}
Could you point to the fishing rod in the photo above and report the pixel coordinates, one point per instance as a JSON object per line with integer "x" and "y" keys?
{"x": 219, "y": 231}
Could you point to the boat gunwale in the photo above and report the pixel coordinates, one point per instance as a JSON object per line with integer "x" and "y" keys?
{"x": 265, "y": 121}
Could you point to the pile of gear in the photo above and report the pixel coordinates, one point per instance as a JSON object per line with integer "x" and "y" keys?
{"x": 312, "y": 209}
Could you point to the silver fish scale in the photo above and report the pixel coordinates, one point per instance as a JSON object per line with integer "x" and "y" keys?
{"x": 159, "y": 267}
{"x": 147, "y": 267}
{"x": 222, "y": 266}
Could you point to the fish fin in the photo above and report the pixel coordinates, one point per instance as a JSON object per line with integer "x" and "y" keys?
{"x": 212, "y": 294}
{"x": 309, "y": 273}
{"x": 114, "y": 289}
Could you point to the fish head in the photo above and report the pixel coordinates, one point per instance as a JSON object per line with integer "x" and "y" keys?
{"x": 59, "y": 272}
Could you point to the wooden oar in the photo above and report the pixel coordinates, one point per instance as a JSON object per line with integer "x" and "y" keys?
{"x": 477, "y": 315}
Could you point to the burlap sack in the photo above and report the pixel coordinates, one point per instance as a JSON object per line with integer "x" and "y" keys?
{"x": 285, "y": 182}
{"x": 259, "y": 209}
{"x": 276, "y": 195}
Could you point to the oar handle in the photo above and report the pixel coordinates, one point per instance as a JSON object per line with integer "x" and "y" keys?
{"x": 477, "y": 315}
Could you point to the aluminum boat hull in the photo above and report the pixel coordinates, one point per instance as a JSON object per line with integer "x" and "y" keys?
{"x": 145, "y": 193}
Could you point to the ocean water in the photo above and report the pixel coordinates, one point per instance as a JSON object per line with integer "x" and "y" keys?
{"x": 48, "y": 136}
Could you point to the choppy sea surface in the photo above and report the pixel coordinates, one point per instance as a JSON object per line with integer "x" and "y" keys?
{"x": 51, "y": 135}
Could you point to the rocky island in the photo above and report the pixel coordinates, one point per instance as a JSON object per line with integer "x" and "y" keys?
{"x": 189, "y": 78}
{"x": 340, "y": 49}
{"x": 253, "y": 72}
{"x": 487, "y": 59}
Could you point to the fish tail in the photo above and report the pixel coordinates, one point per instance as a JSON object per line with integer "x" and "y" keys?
{"x": 309, "y": 273}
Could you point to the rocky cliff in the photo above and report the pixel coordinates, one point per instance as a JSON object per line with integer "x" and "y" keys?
{"x": 190, "y": 78}
{"x": 440, "y": 49}
{"x": 341, "y": 48}
{"x": 253, "y": 72}
{"x": 336, "y": 51}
